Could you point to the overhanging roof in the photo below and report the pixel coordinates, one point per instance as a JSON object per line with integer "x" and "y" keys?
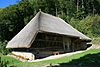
{"x": 43, "y": 22}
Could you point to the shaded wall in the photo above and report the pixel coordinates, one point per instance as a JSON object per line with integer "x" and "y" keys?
{"x": 47, "y": 43}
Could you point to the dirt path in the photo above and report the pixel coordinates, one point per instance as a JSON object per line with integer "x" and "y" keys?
{"x": 56, "y": 56}
{"x": 49, "y": 58}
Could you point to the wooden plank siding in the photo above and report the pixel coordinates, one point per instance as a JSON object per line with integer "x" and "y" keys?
{"x": 46, "y": 44}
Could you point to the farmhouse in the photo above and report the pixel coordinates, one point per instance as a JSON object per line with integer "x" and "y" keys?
{"x": 46, "y": 35}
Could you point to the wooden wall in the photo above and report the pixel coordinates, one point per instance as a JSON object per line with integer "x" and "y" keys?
{"x": 46, "y": 43}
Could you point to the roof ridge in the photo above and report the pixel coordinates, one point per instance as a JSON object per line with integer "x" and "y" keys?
{"x": 39, "y": 20}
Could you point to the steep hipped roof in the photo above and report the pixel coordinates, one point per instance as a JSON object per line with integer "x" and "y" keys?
{"x": 43, "y": 22}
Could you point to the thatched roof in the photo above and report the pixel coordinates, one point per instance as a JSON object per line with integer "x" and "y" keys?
{"x": 43, "y": 22}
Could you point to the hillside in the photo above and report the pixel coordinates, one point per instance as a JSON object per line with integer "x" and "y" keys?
{"x": 96, "y": 41}
{"x": 95, "y": 44}
{"x": 89, "y": 26}
{"x": 83, "y": 15}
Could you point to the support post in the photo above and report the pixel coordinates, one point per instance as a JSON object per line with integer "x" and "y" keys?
{"x": 64, "y": 44}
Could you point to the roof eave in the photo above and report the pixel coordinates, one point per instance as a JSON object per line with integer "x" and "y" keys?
{"x": 18, "y": 47}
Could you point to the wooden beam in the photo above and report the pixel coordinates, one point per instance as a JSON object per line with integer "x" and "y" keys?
{"x": 64, "y": 44}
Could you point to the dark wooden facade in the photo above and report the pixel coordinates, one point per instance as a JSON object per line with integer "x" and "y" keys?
{"x": 46, "y": 44}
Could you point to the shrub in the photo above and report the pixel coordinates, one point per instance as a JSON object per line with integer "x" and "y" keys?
{"x": 3, "y": 49}
{"x": 3, "y": 63}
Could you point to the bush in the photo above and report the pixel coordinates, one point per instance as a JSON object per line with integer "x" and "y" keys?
{"x": 3, "y": 63}
{"x": 89, "y": 26}
{"x": 3, "y": 49}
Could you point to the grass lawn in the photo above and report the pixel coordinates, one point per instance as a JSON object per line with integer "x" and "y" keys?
{"x": 85, "y": 57}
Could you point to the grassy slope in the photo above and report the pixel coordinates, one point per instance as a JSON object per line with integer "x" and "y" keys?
{"x": 10, "y": 60}
{"x": 1, "y": 9}
{"x": 96, "y": 41}
{"x": 17, "y": 63}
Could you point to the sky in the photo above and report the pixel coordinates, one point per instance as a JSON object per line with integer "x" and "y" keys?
{"x": 5, "y": 3}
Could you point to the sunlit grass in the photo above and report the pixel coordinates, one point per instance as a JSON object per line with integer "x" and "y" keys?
{"x": 17, "y": 63}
